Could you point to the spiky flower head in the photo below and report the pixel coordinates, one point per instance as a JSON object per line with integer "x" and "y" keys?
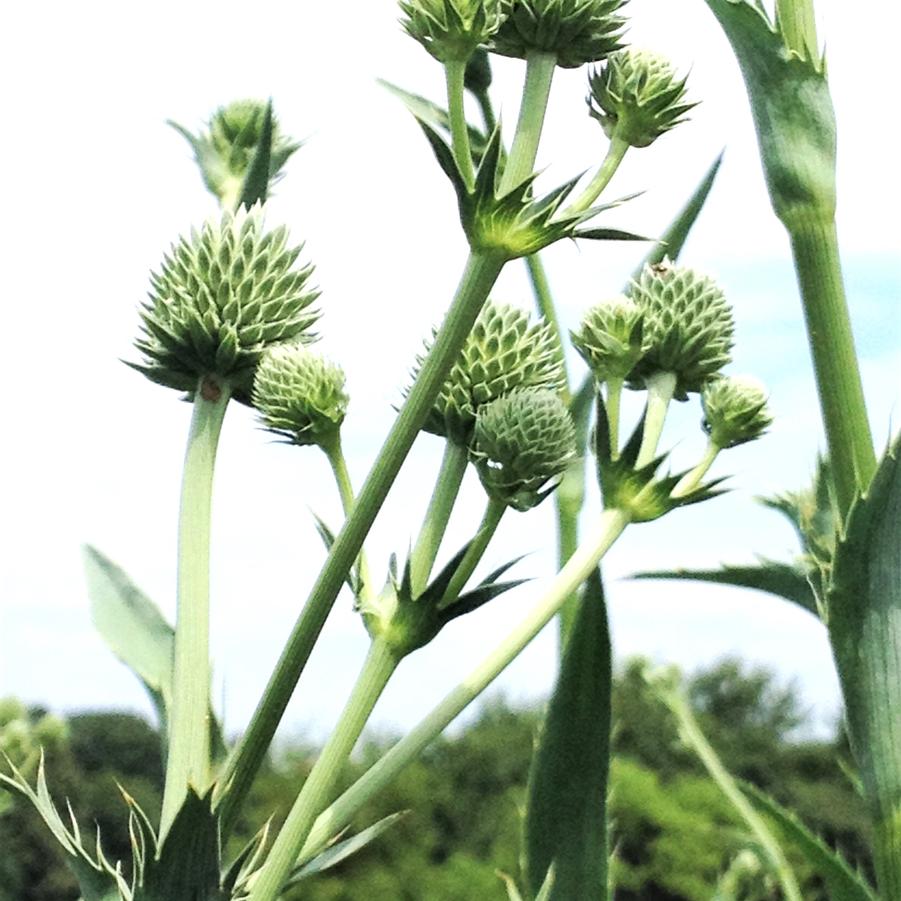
{"x": 637, "y": 96}
{"x": 504, "y": 351}
{"x": 610, "y": 338}
{"x": 300, "y": 395}
{"x": 735, "y": 410}
{"x": 575, "y": 31}
{"x": 221, "y": 297}
{"x": 451, "y": 30}
{"x": 523, "y": 441}
{"x": 226, "y": 151}
{"x": 688, "y": 326}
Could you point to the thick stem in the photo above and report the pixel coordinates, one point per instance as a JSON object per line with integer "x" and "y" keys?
{"x": 615, "y": 153}
{"x": 444, "y": 496}
{"x": 521, "y": 162}
{"x": 608, "y": 528}
{"x": 494, "y": 510}
{"x": 815, "y": 248}
{"x": 612, "y": 403}
{"x": 692, "y": 479}
{"x": 660, "y": 387}
{"x": 188, "y": 764}
{"x": 478, "y": 278}
{"x": 454, "y": 71}
{"x": 319, "y": 786}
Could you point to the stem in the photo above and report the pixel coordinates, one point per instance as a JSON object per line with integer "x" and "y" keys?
{"x": 609, "y": 527}
{"x": 478, "y": 278}
{"x": 487, "y": 110}
{"x": 692, "y": 479}
{"x": 188, "y": 763}
{"x": 455, "y": 71}
{"x": 614, "y": 396}
{"x": 444, "y": 496}
{"x": 815, "y": 248}
{"x": 335, "y": 453}
{"x": 378, "y": 668}
{"x": 615, "y": 153}
{"x": 494, "y": 511}
{"x": 544, "y": 300}
{"x": 661, "y": 386}
{"x": 887, "y": 853}
{"x": 798, "y": 24}
{"x": 521, "y": 162}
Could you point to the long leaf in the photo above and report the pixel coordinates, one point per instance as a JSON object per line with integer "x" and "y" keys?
{"x": 256, "y": 181}
{"x": 566, "y": 816}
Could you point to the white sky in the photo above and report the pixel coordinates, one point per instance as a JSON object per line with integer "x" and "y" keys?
{"x": 97, "y": 187}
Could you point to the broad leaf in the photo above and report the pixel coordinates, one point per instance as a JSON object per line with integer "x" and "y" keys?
{"x": 566, "y": 815}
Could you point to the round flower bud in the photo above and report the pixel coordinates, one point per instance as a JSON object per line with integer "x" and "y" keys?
{"x": 451, "y": 30}
{"x": 522, "y": 442}
{"x": 609, "y": 338}
{"x": 220, "y": 299}
{"x": 504, "y": 351}
{"x": 300, "y": 395}
{"x": 477, "y": 77}
{"x": 735, "y": 410}
{"x": 688, "y": 326}
{"x": 575, "y": 31}
{"x": 636, "y": 97}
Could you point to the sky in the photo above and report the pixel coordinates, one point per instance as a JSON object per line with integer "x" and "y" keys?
{"x": 98, "y": 187}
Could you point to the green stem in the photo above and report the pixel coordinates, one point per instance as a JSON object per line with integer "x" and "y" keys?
{"x": 661, "y": 386}
{"x": 798, "y": 23}
{"x": 544, "y": 300}
{"x": 484, "y": 100}
{"x": 615, "y": 153}
{"x": 319, "y": 786}
{"x": 444, "y": 496}
{"x": 455, "y": 71}
{"x": 608, "y": 528}
{"x": 521, "y": 162}
{"x": 692, "y": 479}
{"x": 614, "y": 396}
{"x": 815, "y": 248}
{"x": 478, "y": 278}
{"x": 494, "y": 510}
{"x": 188, "y": 763}
{"x": 887, "y": 853}
{"x": 335, "y": 453}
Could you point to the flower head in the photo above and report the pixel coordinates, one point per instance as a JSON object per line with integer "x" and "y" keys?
{"x": 610, "y": 338}
{"x": 452, "y": 30}
{"x": 735, "y": 410}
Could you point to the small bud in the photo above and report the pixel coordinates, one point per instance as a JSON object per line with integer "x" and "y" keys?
{"x": 300, "y": 395}
{"x": 523, "y": 442}
{"x": 610, "y": 337}
{"x": 688, "y": 326}
{"x": 576, "y": 31}
{"x": 477, "y": 78}
{"x": 636, "y": 97}
{"x": 451, "y": 30}
{"x": 221, "y": 297}
{"x": 735, "y": 410}
{"x": 504, "y": 352}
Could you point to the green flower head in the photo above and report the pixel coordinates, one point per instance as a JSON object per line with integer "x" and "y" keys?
{"x": 221, "y": 297}
{"x": 452, "y": 30}
{"x": 735, "y": 410}
{"x": 610, "y": 338}
{"x": 300, "y": 395}
{"x": 505, "y": 351}
{"x": 688, "y": 326}
{"x": 523, "y": 442}
{"x": 575, "y": 31}
{"x": 636, "y": 96}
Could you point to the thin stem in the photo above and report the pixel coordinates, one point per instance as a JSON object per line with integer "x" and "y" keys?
{"x": 335, "y": 453}
{"x": 544, "y": 300}
{"x": 612, "y": 404}
{"x": 521, "y": 162}
{"x": 494, "y": 511}
{"x": 615, "y": 153}
{"x": 660, "y": 386}
{"x": 319, "y": 786}
{"x": 455, "y": 71}
{"x": 444, "y": 496}
{"x": 815, "y": 248}
{"x": 478, "y": 278}
{"x": 188, "y": 763}
{"x": 798, "y": 23}
{"x": 692, "y": 479}
{"x": 608, "y": 528}
{"x": 484, "y": 100}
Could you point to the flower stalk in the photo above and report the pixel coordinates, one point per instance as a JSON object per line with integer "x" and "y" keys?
{"x": 616, "y": 152}
{"x": 455, "y": 73}
{"x": 494, "y": 511}
{"x": 661, "y": 386}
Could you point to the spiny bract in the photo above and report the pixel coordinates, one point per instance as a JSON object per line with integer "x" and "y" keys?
{"x": 221, "y": 297}
{"x": 735, "y": 410}
{"x": 575, "y": 31}
{"x": 300, "y": 395}
{"x": 504, "y": 351}
{"x": 522, "y": 442}
{"x": 688, "y": 326}
{"x": 451, "y": 30}
{"x": 610, "y": 338}
{"x": 636, "y": 97}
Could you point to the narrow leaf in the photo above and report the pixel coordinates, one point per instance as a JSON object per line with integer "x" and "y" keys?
{"x": 256, "y": 182}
